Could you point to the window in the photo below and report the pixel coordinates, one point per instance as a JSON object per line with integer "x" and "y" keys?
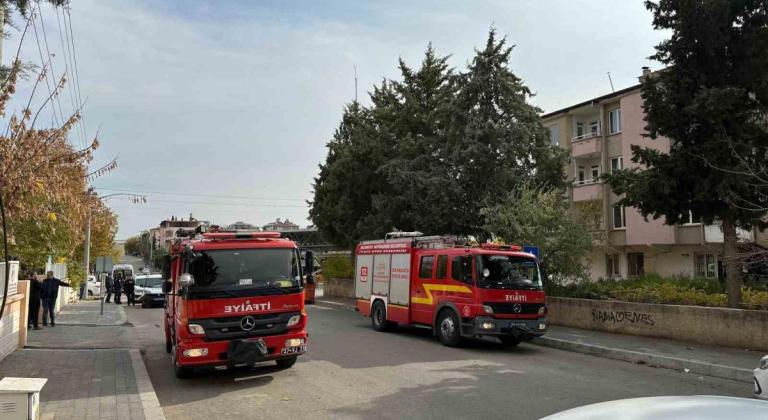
{"x": 425, "y": 269}
{"x": 581, "y": 174}
{"x": 618, "y": 217}
{"x": 442, "y": 266}
{"x": 594, "y": 127}
{"x": 595, "y": 172}
{"x": 614, "y": 121}
{"x": 617, "y": 163}
{"x": 553, "y": 134}
{"x": 612, "y": 265}
{"x": 579, "y": 129}
{"x": 705, "y": 265}
{"x": 691, "y": 218}
{"x": 461, "y": 269}
{"x": 635, "y": 264}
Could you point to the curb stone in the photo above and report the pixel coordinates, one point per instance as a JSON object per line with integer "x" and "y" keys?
{"x": 149, "y": 402}
{"x": 669, "y": 362}
{"x": 335, "y": 305}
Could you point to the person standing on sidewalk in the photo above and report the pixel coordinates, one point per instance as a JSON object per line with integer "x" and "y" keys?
{"x": 109, "y": 284}
{"x": 34, "y": 300}
{"x": 49, "y": 292}
{"x": 118, "y": 285}
{"x": 129, "y": 291}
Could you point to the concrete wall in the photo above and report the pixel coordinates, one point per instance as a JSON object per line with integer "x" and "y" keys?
{"x": 336, "y": 287}
{"x": 696, "y": 324}
{"x": 13, "y": 325}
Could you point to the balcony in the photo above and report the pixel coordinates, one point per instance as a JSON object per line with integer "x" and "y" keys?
{"x": 586, "y": 145}
{"x": 587, "y": 190}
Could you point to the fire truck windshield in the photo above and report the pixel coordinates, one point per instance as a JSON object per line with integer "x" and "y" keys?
{"x": 244, "y": 272}
{"x": 507, "y": 272}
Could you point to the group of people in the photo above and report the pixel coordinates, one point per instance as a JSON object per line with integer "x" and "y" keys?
{"x": 118, "y": 286}
{"x": 44, "y": 292}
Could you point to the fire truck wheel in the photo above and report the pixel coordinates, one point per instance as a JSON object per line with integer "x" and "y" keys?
{"x": 447, "y": 328}
{"x": 379, "y": 317}
{"x": 286, "y": 363}
{"x": 509, "y": 341}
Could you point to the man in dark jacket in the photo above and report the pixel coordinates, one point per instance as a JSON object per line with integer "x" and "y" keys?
{"x": 34, "y": 300}
{"x": 109, "y": 284}
{"x": 117, "y": 284}
{"x": 128, "y": 288}
{"x": 49, "y": 293}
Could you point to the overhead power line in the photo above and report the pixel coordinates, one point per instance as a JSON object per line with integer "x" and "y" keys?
{"x": 49, "y": 55}
{"x": 215, "y": 203}
{"x": 241, "y": 197}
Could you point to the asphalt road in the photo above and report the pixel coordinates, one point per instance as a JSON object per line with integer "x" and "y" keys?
{"x": 354, "y": 372}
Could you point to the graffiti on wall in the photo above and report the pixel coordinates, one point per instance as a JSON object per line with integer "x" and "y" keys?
{"x": 620, "y": 317}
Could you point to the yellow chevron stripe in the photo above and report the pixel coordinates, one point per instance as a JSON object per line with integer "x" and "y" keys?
{"x": 429, "y": 288}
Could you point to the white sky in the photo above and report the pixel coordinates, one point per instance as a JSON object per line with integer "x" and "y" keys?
{"x": 228, "y": 105}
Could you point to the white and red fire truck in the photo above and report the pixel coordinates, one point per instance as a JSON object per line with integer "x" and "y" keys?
{"x": 460, "y": 290}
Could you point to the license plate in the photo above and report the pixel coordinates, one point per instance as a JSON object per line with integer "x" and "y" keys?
{"x": 294, "y": 350}
{"x": 518, "y": 324}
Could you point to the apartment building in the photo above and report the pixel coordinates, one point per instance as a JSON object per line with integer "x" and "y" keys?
{"x": 599, "y": 134}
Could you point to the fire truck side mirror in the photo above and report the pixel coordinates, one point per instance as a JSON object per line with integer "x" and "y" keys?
{"x": 186, "y": 280}
{"x": 167, "y": 286}
{"x": 166, "y": 266}
{"x": 309, "y": 266}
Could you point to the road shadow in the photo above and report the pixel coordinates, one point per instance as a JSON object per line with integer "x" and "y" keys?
{"x": 357, "y": 345}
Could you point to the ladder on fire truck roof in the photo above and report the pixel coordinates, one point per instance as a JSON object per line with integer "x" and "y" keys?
{"x": 431, "y": 242}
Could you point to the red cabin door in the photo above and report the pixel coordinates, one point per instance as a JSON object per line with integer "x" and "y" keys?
{"x": 422, "y": 302}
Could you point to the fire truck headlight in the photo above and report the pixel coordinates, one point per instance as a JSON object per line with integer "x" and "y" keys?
{"x": 542, "y": 326}
{"x": 196, "y": 329}
{"x": 196, "y": 352}
{"x": 543, "y": 310}
{"x": 487, "y": 309}
{"x": 487, "y": 325}
{"x": 294, "y": 342}
{"x": 294, "y": 320}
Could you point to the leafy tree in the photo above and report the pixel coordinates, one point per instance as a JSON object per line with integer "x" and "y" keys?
{"x": 133, "y": 245}
{"x": 497, "y": 140}
{"x": 348, "y": 179}
{"x": 432, "y": 150}
{"x": 710, "y": 102}
{"x": 541, "y": 217}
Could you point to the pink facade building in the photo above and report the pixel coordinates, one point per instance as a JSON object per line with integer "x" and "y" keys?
{"x": 599, "y": 134}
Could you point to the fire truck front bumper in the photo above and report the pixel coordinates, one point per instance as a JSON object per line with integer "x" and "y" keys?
{"x": 524, "y": 329}
{"x": 242, "y": 352}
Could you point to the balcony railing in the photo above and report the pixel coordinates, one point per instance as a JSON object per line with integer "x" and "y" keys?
{"x": 587, "y": 136}
{"x": 586, "y": 181}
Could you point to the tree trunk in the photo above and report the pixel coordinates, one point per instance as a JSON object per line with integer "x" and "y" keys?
{"x": 732, "y": 265}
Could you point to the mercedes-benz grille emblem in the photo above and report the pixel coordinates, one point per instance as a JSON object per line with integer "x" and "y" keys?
{"x": 516, "y": 308}
{"x": 247, "y": 323}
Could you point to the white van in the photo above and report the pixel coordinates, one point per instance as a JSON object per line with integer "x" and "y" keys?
{"x": 122, "y": 271}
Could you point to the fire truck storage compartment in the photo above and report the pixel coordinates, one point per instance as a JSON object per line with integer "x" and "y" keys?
{"x": 400, "y": 281}
{"x": 383, "y": 268}
{"x": 363, "y": 281}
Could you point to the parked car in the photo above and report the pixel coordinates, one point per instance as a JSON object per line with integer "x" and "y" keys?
{"x": 94, "y": 286}
{"x": 149, "y": 290}
{"x": 701, "y": 407}
{"x": 761, "y": 379}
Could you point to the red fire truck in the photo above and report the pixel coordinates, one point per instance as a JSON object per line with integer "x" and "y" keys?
{"x": 460, "y": 290}
{"x": 234, "y": 299}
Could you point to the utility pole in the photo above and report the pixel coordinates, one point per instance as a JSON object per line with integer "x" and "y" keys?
{"x": 355, "y": 67}
{"x": 87, "y": 253}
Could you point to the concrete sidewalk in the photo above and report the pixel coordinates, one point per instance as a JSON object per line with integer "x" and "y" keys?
{"x": 92, "y": 371}
{"x": 721, "y": 362}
